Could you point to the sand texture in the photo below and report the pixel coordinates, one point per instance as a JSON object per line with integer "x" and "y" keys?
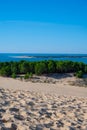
{"x": 24, "y": 110}
{"x": 42, "y": 106}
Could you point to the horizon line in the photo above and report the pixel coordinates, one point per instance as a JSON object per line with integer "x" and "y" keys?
{"x": 38, "y": 53}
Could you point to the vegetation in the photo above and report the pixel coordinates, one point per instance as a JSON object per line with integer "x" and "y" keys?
{"x": 30, "y": 75}
{"x": 26, "y": 76}
{"x": 14, "y": 75}
{"x": 40, "y": 68}
{"x": 12, "y": 69}
{"x": 79, "y": 74}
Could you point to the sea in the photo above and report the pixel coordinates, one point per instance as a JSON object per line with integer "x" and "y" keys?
{"x": 7, "y": 57}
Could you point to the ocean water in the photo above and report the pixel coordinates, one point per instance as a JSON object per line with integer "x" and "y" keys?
{"x": 6, "y": 57}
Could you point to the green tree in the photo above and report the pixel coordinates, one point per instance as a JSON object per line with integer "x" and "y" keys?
{"x": 32, "y": 67}
{"x": 5, "y": 71}
{"x": 40, "y": 68}
{"x": 24, "y": 67}
{"x": 51, "y": 67}
{"x": 14, "y": 68}
{"x": 60, "y": 67}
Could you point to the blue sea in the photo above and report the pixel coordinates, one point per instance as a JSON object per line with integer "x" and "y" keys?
{"x": 6, "y": 57}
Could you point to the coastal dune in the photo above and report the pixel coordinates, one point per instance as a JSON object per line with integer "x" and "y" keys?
{"x": 42, "y": 106}
{"x": 60, "y": 88}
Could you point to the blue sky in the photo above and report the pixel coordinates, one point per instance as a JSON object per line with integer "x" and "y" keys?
{"x": 43, "y": 26}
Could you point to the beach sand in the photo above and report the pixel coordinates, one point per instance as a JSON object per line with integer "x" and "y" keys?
{"x": 42, "y": 106}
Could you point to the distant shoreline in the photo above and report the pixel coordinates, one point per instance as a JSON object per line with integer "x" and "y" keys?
{"x": 49, "y": 56}
{"x": 7, "y": 57}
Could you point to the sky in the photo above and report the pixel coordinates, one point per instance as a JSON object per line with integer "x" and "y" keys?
{"x": 43, "y": 26}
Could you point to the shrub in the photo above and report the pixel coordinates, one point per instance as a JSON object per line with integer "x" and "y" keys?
{"x": 5, "y": 71}
{"x": 51, "y": 67}
{"x": 30, "y": 75}
{"x": 14, "y": 75}
{"x": 79, "y": 74}
{"x": 26, "y": 76}
{"x": 40, "y": 68}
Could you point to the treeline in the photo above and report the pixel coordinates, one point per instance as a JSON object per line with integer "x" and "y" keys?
{"x": 9, "y": 69}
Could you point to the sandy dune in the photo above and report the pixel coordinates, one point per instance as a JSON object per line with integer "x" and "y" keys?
{"x": 42, "y": 106}
{"x": 60, "y": 88}
{"x": 24, "y": 110}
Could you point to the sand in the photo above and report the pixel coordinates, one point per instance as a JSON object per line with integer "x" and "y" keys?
{"x": 62, "y": 87}
{"x": 42, "y": 106}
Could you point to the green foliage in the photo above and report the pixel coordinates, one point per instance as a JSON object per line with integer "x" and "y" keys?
{"x": 14, "y": 67}
{"x": 24, "y": 67}
{"x": 10, "y": 69}
{"x": 14, "y": 75}
{"x": 81, "y": 66}
{"x": 79, "y": 74}
{"x": 30, "y": 75}
{"x": 40, "y": 68}
{"x": 26, "y": 76}
{"x": 5, "y": 71}
{"x": 51, "y": 67}
{"x": 32, "y": 67}
{"x": 60, "y": 67}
